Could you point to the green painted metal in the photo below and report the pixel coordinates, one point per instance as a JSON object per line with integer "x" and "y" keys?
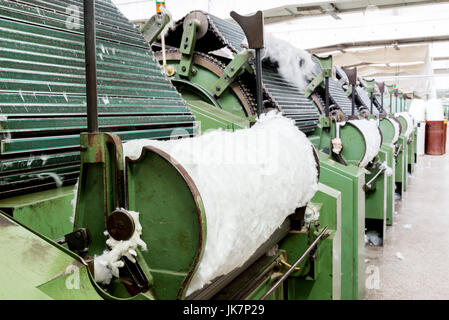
{"x": 376, "y": 197}
{"x": 408, "y": 150}
{"x": 42, "y": 89}
{"x": 370, "y": 84}
{"x": 69, "y": 124}
{"x": 315, "y": 83}
{"x": 264, "y": 272}
{"x": 211, "y": 118}
{"x": 46, "y": 270}
{"x": 412, "y": 151}
{"x": 389, "y": 151}
{"x": 47, "y": 212}
{"x": 187, "y": 48}
{"x": 29, "y": 261}
{"x": 325, "y": 64}
{"x": 351, "y": 137}
{"x": 99, "y": 187}
{"x": 72, "y": 141}
{"x": 153, "y": 28}
{"x": 201, "y": 87}
{"x": 324, "y": 281}
{"x": 388, "y": 132}
{"x": 173, "y": 220}
{"x": 349, "y": 181}
{"x": 232, "y": 71}
{"x": 401, "y": 165}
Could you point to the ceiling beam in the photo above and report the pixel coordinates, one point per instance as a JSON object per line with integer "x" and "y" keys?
{"x": 392, "y": 42}
{"x": 326, "y": 4}
{"x": 440, "y": 58}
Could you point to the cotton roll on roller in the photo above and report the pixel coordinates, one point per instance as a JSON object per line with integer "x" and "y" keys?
{"x": 418, "y": 110}
{"x": 372, "y": 136}
{"x": 410, "y": 122}
{"x": 249, "y": 180}
{"x": 397, "y": 130}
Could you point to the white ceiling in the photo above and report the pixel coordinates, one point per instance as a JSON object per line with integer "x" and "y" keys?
{"x": 343, "y": 22}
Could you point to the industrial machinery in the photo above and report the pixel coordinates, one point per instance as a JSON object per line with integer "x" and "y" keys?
{"x": 217, "y": 78}
{"x": 53, "y": 84}
{"x": 368, "y": 98}
{"x": 209, "y": 65}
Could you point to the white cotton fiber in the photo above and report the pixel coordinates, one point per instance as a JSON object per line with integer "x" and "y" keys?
{"x": 418, "y": 109}
{"x": 73, "y": 202}
{"x": 312, "y": 213}
{"x": 250, "y": 181}
{"x": 373, "y": 238}
{"x": 295, "y": 65}
{"x": 388, "y": 170}
{"x": 410, "y": 122}
{"x": 434, "y": 110}
{"x": 399, "y": 256}
{"x": 107, "y": 265}
{"x": 54, "y": 176}
{"x": 372, "y": 135}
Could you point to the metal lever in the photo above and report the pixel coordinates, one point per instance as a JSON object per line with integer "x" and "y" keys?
{"x": 367, "y": 185}
{"x": 253, "y": 27}
{"x": 289, "y": 271}
{"x": 381, "y": 86}
{"x": 352, "y": 77}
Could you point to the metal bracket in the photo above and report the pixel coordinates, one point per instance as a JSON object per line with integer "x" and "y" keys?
{"x": 326, "y": 72}
{"x": 348, "y": 91}
{"x": 324, "y": 122}
{"x": 187, "y": 48}
{"x": 316, "y": 82}
{"x": 153, "y": 28}
{"x": 231, "y": 72}
{"x": 77, "y": 241}
{"x": 195, "y": 27}
{"x": 369, "y": 85}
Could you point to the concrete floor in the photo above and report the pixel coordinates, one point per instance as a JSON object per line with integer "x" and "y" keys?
{"x": 423, "y": 243}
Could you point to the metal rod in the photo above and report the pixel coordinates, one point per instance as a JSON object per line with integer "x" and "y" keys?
{"x": 368, "y": 184}
{"x": 391, "y": 103}
{"x": 382, "y": 101}
{"x": 353, "y": 99}
{"x": 326, "y": 90}
{"x": 399, "y": 151}
{"x": 90, "y": 48}
{"x": 372, "y": 102}
{"x": 259, "y": 92}
{"x": 292, "y": 268}
{"x": 396, "y": 105}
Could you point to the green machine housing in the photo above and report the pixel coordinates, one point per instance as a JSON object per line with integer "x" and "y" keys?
{"x": 42, "y": 149}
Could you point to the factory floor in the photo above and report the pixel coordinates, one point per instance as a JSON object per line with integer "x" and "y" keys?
{"x": 413, "y": 263}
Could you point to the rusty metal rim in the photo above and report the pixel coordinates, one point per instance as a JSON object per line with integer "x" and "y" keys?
{"x": 196, "y": 194}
